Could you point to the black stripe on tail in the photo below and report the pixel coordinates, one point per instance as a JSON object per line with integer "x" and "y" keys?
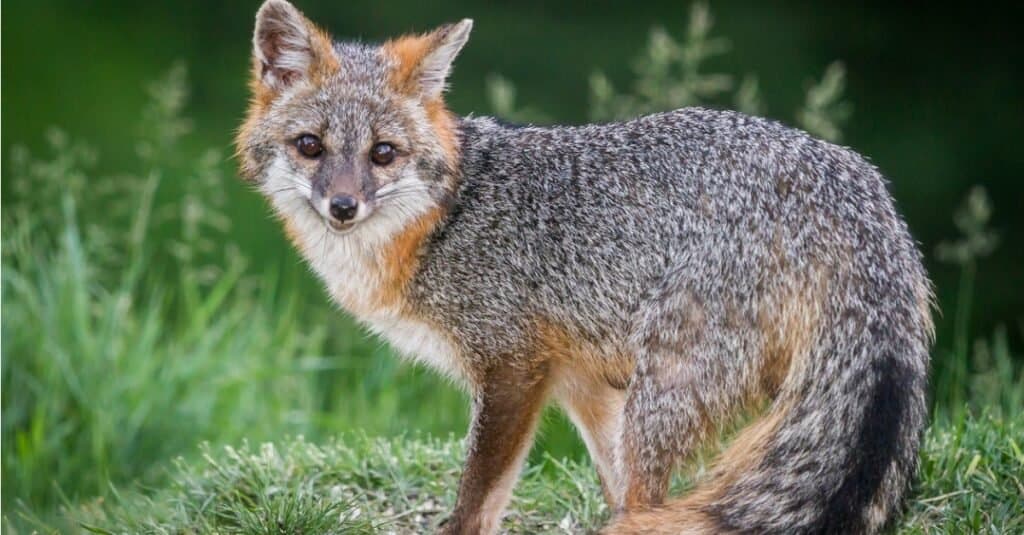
{"x": 876, "y": 448}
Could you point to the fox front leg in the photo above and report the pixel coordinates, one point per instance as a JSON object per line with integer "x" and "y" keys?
{"x": 505, "y": 413}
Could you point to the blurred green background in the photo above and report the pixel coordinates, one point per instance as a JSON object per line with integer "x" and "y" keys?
{"x": 936, "y": 93}
{"x": 935, "y": 102}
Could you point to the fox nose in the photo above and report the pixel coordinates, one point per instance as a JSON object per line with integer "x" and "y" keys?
{"x": 343, "y": 207}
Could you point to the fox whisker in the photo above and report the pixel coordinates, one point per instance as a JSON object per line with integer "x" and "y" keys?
{"x": 282, "y": 190}
{"x": 402, "y": 192}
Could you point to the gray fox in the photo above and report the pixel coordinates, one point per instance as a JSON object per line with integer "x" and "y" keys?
{"x": 653, "y": 277}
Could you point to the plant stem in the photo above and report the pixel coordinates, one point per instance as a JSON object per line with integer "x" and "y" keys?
{"x": 961, "y": 335}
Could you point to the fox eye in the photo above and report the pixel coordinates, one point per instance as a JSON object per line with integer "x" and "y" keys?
{"x": 382, "y": 153}
{"x": 309, "y": 145}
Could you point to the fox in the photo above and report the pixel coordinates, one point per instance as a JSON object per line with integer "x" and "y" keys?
{"x": 654, "y": 278}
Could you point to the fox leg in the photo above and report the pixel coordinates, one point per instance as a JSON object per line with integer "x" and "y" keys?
{"x": 691, "y": 370}
{"x": 505, "y": 412}
{"x": 595, "y": 408}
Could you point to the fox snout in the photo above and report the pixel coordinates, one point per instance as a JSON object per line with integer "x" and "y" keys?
{"x": 342, "y": 194}
{"x": 343, "y": 207}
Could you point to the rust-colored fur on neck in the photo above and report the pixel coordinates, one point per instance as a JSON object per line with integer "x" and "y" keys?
{"x": 399, "y": 260}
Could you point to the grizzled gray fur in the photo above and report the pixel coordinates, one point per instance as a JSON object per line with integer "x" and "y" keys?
{"x": 665, "y": 237}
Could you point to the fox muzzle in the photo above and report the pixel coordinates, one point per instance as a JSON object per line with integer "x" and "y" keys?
{"x": 340, "y": 194}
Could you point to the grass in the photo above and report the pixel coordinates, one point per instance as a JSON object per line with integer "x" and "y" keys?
{"x": 134, "y": 329}
{"x": 96, "y": 370}
{"x": 971, "y": 482}
{"x": 971, "y": 477}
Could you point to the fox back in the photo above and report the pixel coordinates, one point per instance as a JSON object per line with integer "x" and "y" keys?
{"x": 652, "y": 277}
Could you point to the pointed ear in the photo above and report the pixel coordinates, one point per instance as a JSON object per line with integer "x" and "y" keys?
{"x": 287, "y": 47}
{"x": 423, "y": 62}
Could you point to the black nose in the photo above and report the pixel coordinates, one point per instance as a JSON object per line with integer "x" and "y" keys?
{"x": 343, "y": 207}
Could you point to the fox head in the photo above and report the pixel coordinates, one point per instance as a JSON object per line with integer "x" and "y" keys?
{"x": 348, "y": 138}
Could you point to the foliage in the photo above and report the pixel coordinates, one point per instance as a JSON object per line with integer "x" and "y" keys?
{"x": 989, "y": 374}
{"x": 671, "y": 74}
{"x": 824, "y": 111}
{"x": 101, "y": 379}
{"x": 501, "y": 93}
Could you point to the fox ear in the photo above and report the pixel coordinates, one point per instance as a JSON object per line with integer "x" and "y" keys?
{"x": 437, "y": 64}
{"x": 423, "y": 62}
{"x": 287, "y": 47}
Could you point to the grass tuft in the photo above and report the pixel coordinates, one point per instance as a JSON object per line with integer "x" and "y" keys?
{"x": 970, "y": 483}
{"x": 971, "y": 477}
